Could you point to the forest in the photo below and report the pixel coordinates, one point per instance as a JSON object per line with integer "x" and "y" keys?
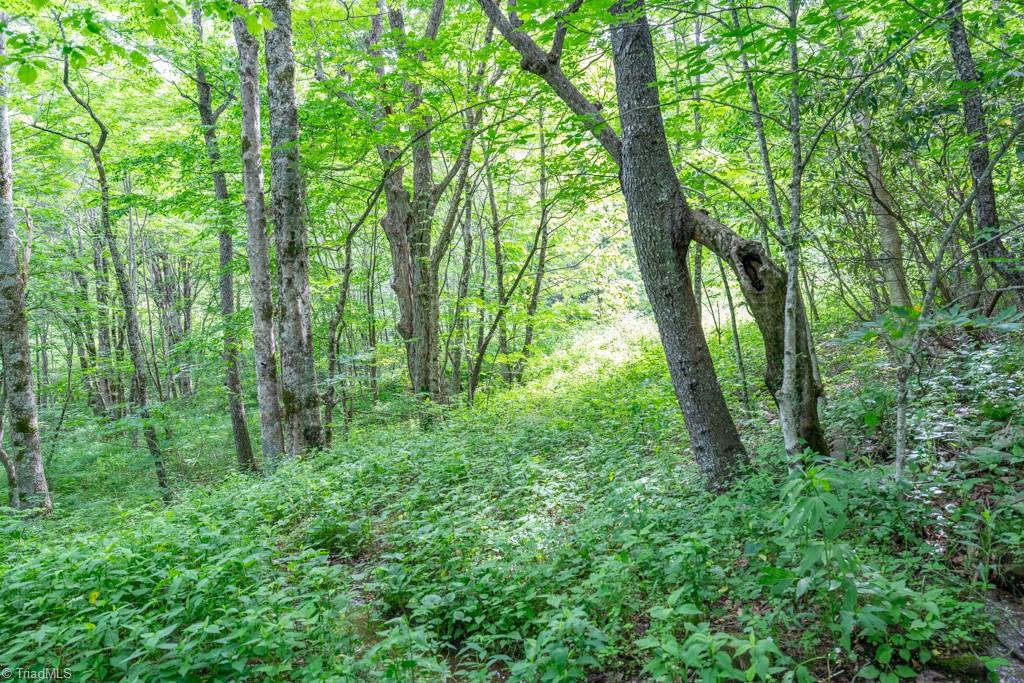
{"x": 512, "y": 340}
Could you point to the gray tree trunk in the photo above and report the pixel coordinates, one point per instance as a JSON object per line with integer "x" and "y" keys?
{"x": 987, "y": 238}
{"x": 13, "y": 499}
{"x": 268, "y": 387}
{"x": 662, "y": 227}
{"x": 26, "y": 454}
{"x": 333, "y": 341}
{"x": 232, "y": 374}
{"x": 105, "y": 375}
{"x": 300, "y": 397}
{"x": 766, "y": 287}
{"x": 499, "y": 278}
{"x": 460, "y": 327}
{"x": 408, "y": 222}
{"x": 542, "y": 254}
{"x": 890, "y": 258}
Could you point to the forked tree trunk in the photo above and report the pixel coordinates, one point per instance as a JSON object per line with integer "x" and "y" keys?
{"x": 232, "y": 374}
{"x": 762, "y": 282}
{"x": 26, "y": 458}
{"x": 268, "y": 387}
{"x": 300, "y": 397}
{"x": 408, "y": 222}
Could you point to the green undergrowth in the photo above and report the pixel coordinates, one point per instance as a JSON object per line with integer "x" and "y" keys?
{"x": 556, "y": 531}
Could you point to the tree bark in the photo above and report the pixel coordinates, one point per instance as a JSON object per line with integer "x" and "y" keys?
{"x": 300, "y": 397}
{"x": 542, "y": 255}
{"x": 662, "y": 226}
{"x": 499, "y": 278}
{"x": 268, "y": 388}
{"x": 105, "y": 373}
{"x": 987, "y": 238}
{"x": 371, "y": 318}
{"x": 333, "y": 341}
{"x": 133, "y": 332}
{"x": 882, "y": 206}
{"x": 737, "y": 348}
{"x": 766, "y": 287}
{"x": 459, "y": 329}
{"x": 408, "y": 222}
{"x": 26, "y": 453}
{"x": 13, "y": 500}
{"x": 226, "y": 290}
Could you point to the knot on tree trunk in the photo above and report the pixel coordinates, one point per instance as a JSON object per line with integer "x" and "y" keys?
{"x": 752, "y": 261}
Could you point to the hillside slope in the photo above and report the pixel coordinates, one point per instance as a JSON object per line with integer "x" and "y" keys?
{"x": 556, "y": 532}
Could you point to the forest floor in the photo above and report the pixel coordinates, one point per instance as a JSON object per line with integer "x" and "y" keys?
{"x": 555, "y": 532}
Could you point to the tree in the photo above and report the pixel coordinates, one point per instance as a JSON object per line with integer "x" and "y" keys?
{"x": 268, "y": 386}
{"x": 26, "y": 460}
{"x": 232, "y": 376}
{"x": 661, "y": 221}
{"x": 300, "y": 397}
{"x": 762, "y": 282}
{"x": 988, "y": 238}
{"x": 139, "y": 389}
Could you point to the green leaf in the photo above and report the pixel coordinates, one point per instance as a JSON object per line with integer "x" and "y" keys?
{"x": 253, "y": 23}
{"x": 27, "y": 73}
{"x": 868, "y": 672}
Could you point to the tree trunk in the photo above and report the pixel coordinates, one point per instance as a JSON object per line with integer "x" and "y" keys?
{"x": 371, "y": 318}
{"x": 499, "y": 278}
{"x": 300, "y": 397}
{"x": 333, "y": 366}
{"x": 737, "y": 348}
{"x": 268, "y": 388}
{"x": 987, "y": 237}
{"x": 762, "y": 282}
{"x": 13, "y": 499}
{"x": 103, "y": 349}
{"x": 26, "y": 454}
{"x": 765, "y": 287}
{"x": 542, "y": 255}
{"x": 459, "y": 322}
{"x": 168, "y": 305}
{"x": 85, "y": 341}
{"x": 662, "y": 227}
{"x": 133, "y": 333}
{"x": 882, "y": 208}
{"x": 698, "y": 281}
{"x": 232, "y": 374}
{"x": 408, "y": 223}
